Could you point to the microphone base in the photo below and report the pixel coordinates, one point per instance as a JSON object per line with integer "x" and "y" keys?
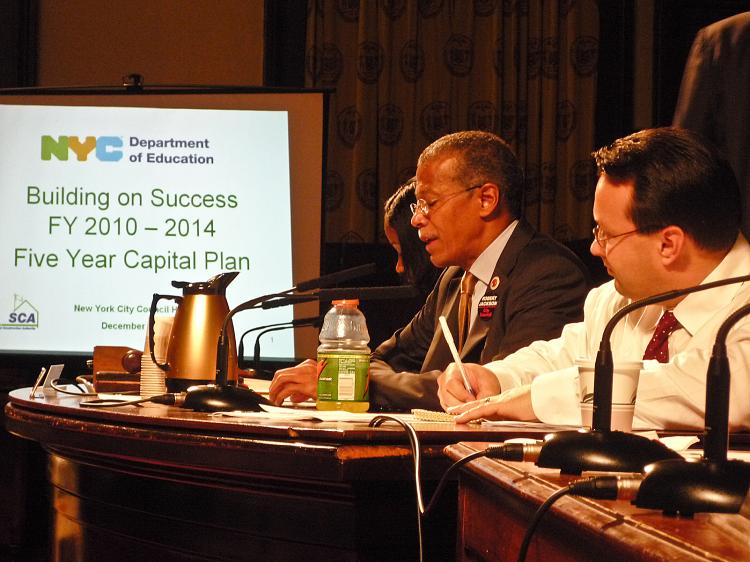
{"x": 223, "y": 398}
{"x": 680, "y": 487}
{"x": 609, "y": 451}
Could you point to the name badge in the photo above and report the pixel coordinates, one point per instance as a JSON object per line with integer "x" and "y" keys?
{"x": 486, "y": 307}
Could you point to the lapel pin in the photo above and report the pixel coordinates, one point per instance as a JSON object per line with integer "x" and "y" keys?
{"x": 494, "y": 282}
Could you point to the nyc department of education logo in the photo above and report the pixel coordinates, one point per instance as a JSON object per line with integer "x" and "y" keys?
{"x": 22, "y": 315}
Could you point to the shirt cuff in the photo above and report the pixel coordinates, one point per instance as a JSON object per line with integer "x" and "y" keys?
{"x": 554, "y": 397}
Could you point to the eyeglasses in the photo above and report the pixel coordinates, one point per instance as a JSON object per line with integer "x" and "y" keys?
{"x": 601, "y": 237}
{"x": 423, "y": 207}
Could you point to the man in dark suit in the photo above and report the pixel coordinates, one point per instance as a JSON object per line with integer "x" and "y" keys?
{"x": 714, "y": 96}
{"x": 521, "y": 286}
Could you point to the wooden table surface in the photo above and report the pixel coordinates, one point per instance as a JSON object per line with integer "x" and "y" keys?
{"x": 152, "y": 480}
{"x": 497, "y": 500}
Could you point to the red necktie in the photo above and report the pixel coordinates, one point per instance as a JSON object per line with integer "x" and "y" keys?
{"x": 658, "y": 347}
{"x": 464, "y": 307}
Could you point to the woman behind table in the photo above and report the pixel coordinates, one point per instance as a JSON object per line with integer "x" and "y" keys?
{"x": 413, "y": 260}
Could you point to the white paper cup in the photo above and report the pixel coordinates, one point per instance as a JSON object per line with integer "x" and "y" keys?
{"x": 152, "y": 377}
{"x": 622, "y": 416}
{"x": 624, "y": 383}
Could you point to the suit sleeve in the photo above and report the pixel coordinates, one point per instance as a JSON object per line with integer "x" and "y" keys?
{"x": 395, "y": 379}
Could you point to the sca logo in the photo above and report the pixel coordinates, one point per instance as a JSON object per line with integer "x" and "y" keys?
{"x": 23, "y": 314}
{"x": 104, "y": 148}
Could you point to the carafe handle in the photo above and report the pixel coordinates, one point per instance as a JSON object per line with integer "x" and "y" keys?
{"x": 151, "y": 320}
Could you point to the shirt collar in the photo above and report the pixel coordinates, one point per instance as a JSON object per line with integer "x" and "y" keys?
{"x": 697, "y": 308}
{"x": 484, "y": 266}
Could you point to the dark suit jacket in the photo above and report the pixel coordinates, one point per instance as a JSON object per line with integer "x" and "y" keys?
{"x": 715, "y": 96}
{"x": 542, "y": 287}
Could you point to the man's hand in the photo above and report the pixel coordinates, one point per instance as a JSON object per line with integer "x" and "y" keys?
{"x": 298, "y": 383}
{"x": 513, "y": 404}
{"x": 451, "y": 389}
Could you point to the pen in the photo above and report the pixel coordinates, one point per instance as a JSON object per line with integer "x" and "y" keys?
{"x": 452, "y": 346}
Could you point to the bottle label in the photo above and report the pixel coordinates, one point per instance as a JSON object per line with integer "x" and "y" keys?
{"x": 344, "y": 377}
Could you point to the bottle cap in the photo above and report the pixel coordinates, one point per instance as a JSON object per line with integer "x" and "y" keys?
{"x": 345, "y": 302}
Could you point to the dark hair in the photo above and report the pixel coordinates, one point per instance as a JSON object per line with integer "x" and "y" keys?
{"x": 418, "y": 269}
{"x": 484, "y": 157}
{"x": 679, "y": 179}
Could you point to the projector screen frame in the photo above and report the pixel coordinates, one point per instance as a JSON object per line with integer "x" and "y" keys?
{"x": 303, "y": 222}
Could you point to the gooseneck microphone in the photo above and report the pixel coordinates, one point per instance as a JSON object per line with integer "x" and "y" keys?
{"x": 315, "y": 321}
{"x": 225, "y": 397}
{"x": 602, "y": 449}
{"x": 714, "y": 483}
{"x": 296, "y": 323}
{"x": 362, "y": 293}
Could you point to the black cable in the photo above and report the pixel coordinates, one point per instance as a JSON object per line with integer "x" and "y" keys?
{"x": 537, "y": 517}
{"x": 416, "y": 453}
{"x": 601, "y": 487}
{"x": 509, "y": 451}
{"x": 444, "y": 478}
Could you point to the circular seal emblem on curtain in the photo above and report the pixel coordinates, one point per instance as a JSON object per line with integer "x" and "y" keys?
{"x": 498, "y": 63}
{"x": 411, "y": 61}
{"x": 482, "y": 116}
{"x": 484, "y": 8}
{"x": 370, "y": 62}
{"x": 582, "y": 179}
{"x": 436, "y": 119}
{"x": 550, "y": 57}
{"x": 390, "y": 124}
{"x": 367, "y": 189}
{"x": 430, "y": 8}
{"x": 349, "y": 126}
{"x": 565, "y": 6}
{"x": 348, "y": 9}
{"x": 458, "y": 54}
{"x": 566, "y": 120}
{"x": 549, "y": 182}
{"x": 584, "y": 55}
{"x": 563, "y": 232}
{"x": 531, "y": 185}
{"x": 522, "y": 121}
{"x": 324, "y": 64}
{"x": 333, "y": 192}
{"x": 534, "y": 57}
{"x": 394, "y": 9}
{"x": 508, "y": 121}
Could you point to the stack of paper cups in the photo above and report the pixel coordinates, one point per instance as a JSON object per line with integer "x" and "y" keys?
{"x": 152, "y": 377}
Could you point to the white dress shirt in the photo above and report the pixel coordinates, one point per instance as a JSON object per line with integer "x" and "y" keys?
{"x": 670, "y": 395}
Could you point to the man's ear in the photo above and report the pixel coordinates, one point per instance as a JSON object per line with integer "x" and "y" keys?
{"x": 489, "y": 198}
{"x": 671, "y": 244}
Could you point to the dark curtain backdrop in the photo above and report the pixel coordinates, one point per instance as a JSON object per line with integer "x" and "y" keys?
{"x": 406, "y": 73}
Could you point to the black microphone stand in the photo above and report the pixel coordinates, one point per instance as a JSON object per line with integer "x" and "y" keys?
{"x": 602, "y": 449}
{"x": 713, "y": 483}
{"x": 241, "y": 345}
{"x": 315, "y": 321}
{"x": 296, "y": 323}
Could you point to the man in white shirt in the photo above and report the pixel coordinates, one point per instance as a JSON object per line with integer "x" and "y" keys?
{"x": 667, "y": 214}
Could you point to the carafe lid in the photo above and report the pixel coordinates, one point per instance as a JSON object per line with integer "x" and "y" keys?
{"x": 217, "y": 285}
